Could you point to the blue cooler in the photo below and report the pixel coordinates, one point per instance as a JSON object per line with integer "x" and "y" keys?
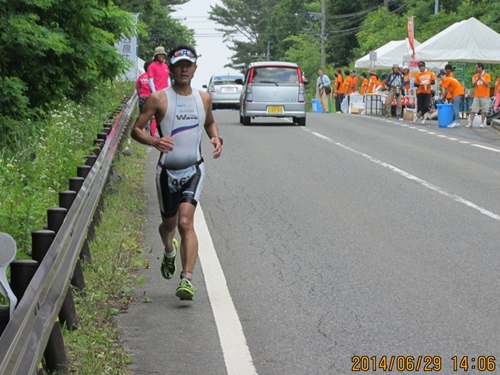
{"x": 445, "y": 115}
{"x": 316, "y": 106}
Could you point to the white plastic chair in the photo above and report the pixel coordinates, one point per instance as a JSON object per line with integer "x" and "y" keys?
{"x": 8, "y": 251}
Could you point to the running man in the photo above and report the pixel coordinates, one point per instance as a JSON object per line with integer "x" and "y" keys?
{"x": 182, "y": 113}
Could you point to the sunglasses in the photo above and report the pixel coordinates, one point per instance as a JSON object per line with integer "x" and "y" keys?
{"x": 184, "y": 52}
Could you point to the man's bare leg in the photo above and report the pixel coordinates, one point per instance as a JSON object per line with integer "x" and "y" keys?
{"x": 189, "y": 240}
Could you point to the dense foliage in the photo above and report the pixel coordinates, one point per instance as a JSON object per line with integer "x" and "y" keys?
{"x": 53, "y": 49}
{"x": 57, "y": 49}
{"x": 291, "y": 29}
{"x": 158, "y": 27}
{"x": 58, "y": 72}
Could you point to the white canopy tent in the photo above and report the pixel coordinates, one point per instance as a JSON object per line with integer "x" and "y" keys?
{"x": 394, "y": 52}
{"x": 387, "y": 55}
{"x": 466, "y": 41}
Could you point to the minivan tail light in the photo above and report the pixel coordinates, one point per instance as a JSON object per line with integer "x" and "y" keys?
{"x": 302, "y": 95}
{"x": 211, "y": 88}
{"x": 250, "y": 76}
{"x": 299, "y": 73}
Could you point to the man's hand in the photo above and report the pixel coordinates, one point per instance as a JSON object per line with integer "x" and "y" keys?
{"x": 164, "y": 144}
{"x": 217, "y": 142}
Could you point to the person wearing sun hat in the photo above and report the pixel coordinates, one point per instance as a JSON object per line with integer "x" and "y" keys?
{"x": 406, "y": 78}
{"x": 158, "y": 71}
{"x": 183, "y": 113}
{"x": 395, "y": 84}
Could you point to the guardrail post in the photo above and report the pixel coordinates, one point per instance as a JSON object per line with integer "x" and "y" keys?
{"x": 55, "y": 220}
{"x": 90, "y": 160}
{"x": 66, "y": 198}
{"x": 40, "y": 244}
{"x": 21, "y": 273}
{"x": 4, "y": 317}
{"x": 76, "y": 183}
{"x": 83, "y": 170}
{"x": 99, "y": 142}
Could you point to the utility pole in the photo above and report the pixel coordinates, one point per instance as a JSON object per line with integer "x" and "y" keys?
{"x": 436, "y": 7}
{"x": 323, "y": 28}
{"x": 386, "y": 3}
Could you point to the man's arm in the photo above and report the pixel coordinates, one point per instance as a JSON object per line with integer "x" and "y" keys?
{"x": 150, "y": 108}
{"x": 211, "y": 127}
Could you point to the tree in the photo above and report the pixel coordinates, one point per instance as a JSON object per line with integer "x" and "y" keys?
{"x": 247, "y": 19}
{"x": 157, "y": 27}
{"x": 52, "y": 49}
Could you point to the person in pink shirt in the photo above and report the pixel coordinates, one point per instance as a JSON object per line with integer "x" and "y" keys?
{"x": 143, "y": 92}
{"x": 158, "y": 71}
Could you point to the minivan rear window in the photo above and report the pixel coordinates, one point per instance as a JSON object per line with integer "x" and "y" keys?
{"x": 275, "y": 74}
{"x": 226, "y": 80}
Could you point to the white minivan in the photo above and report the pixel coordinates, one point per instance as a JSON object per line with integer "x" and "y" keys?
{"x": 273, "y": 89}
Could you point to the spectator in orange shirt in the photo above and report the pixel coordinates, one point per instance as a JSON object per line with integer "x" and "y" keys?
{"x": 423, "y": 82}
{"x": 339, "y": 89}
{"x": 354, "y": 82}
{"x": 364, "y": 84}
{"x": 453, "y": 89}
{"x": 481, "y": 82}
{"x": 373, "y": 83}
{"x": 347, "y": 82}
{"x": 382, "y": 86}
{"x": 448, "y": 69}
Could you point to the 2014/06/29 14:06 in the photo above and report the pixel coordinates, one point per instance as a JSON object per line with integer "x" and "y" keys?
{"x": 421, "y": 363}
{"x": 480, "y": 363}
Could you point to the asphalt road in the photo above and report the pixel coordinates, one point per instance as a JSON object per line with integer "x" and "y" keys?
{"x": 352, "y": 236}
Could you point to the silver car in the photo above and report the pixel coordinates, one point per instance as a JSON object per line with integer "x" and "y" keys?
{"x": 224, "y": 91}
{"x": 273, "y": 89}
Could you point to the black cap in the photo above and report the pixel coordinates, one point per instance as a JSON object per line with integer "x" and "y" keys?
{"x": 421, "y": 63}
{"x": 442, "y": 73}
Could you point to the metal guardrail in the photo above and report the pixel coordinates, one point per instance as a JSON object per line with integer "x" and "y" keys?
{"x": 28, "y": 331}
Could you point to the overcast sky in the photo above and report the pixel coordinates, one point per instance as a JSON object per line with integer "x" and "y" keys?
{"x": 215, "y": 53}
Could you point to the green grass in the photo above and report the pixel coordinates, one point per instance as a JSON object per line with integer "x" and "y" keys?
{"x": 117, "y": 253}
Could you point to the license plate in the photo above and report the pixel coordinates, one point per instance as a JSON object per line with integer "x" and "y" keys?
{"x": 229, "y": 89}
{"x": 276, "y": 109}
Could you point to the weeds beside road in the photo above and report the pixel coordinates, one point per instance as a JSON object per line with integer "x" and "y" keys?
{"x": 117, "y": 251}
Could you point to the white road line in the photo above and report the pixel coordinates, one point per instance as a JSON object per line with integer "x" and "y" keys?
{"x": 445, "y": 136}
{"x": 233, "y": 342}
{"x": 486, "y": 148}
{"x": 410, "y": 177}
